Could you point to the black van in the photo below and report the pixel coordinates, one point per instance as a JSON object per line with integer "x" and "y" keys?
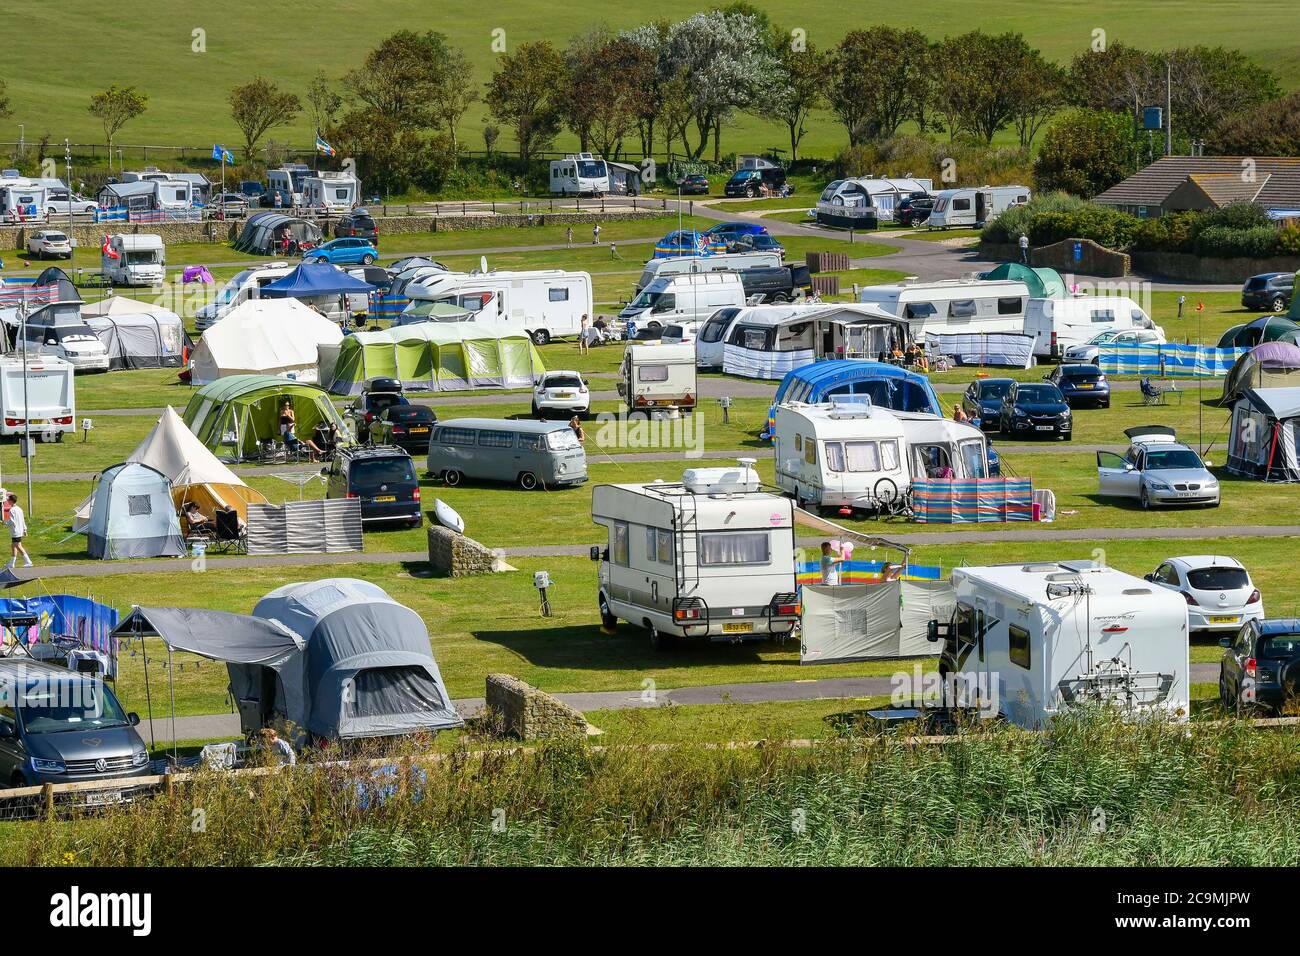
{"x": 750, "y": 182}
{"x": 382, "y": 476}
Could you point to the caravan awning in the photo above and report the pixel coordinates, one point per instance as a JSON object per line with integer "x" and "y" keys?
{"x": 217, "y": 635}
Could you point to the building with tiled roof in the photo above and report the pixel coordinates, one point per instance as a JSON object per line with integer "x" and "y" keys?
{"x": 1179, "y": 183}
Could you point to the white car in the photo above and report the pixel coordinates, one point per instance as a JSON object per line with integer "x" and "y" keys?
{"x": 1090, "y": 352}
{"x": 678, "y": 333}
{"x": 561, "y": 393}
{"x": 50, "y": 242}
{"x": 1220, "y": 595}
{"x": 80, "y": 206}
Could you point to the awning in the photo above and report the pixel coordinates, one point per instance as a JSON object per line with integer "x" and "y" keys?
{"x": 217, "y": 635}
{"x": 315, "y": 278}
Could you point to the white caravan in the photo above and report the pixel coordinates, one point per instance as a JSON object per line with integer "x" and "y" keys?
{"x": 545, "y": 304}
{"x": 1032, "y": 640}
{"x": 768, "y": 343}
{"x": 1058, "y": 324}
{"x": 138, "y": 259}
{"x": 170, "y": 191}
{"x": 726, "y": 262}
{"x": 953, "y": 306}
{"x": 49, "y": 400}
{"x": 22, "y": 200}
{"x": 333, "y": 192}
{"x": 288, "y": 182}
{"x": 974, "y": 207}
{"x": 684, "y": 297}
{"x": 841, "y": 197}
{"x": 658, "y": 376}
{"x": 711, "y": 556}
{"x": 579, "y": 174}
{"x": 839, "y": 454}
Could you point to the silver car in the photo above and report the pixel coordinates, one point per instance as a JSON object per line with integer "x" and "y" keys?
{"x": 1090, "y": 352}
{"x": 1157, "y": 470}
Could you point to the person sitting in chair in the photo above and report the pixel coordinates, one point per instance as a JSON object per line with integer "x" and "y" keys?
{"x": 326, "y": 437}
{"x": 195, "y": 521}
{"x": 291, "y": 441}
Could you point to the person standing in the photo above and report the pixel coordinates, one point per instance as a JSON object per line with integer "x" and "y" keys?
{"x": 595, "y": 234}
{"x": 613, "y": 251}
{"x": 568, "y": 236}
{"x": 831, "y": 564}
{"x": 17, "y": 525}
{"x": 1024, "y": 249}
{"x": 583, "y": 330}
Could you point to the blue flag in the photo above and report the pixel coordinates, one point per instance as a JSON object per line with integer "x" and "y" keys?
{"x": 323, "y": 147}
{"x": 221, "y": 154}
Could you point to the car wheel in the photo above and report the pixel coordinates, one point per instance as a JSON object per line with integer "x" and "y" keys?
{"x": 751, "y": 192}
{"x": 1067, "y": 435}
{"x": 1143, "y": 499}
{"x": 1223, "y": 692}
{"x": 527, "y": 480}
{"x": 541, "y": 337}
{"x": 607, "y": 618}
{"x": 367, "y": 259}
{"x": 1278, "y": 304}
{"x": 451, "y": 477}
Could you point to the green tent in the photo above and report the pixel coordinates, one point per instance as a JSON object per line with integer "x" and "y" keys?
{"x": 1043, "y": 283}
{"x": 427, "y": 310}
{"x": 233, "y": 415}
{"x": 434, "y": 356}
{"x": 1294, "y": 312}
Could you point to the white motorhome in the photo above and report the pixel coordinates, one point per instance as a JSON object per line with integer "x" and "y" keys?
{"x": 841, "y": 199}
{"x": 334, "y": 192}
{"x": 579, "y": 174}
{"x": 546, "y": 303}
{"x": 1035, "y": 639}
{"x": 138, "y": 259}
{"x": 49, "y": 399}
{"x": 22, "y": 200}
{"x": 1058, "y": 324}
{"x": 657, "y": 376}
{"x": 768, "y": 343}
{"x": 726, "y": 262}
{"x": 953, "y": 306}
{"x": 974, "y": 207}
{"x": 711, "y": 557}
{"x": 684, "y": 297}
{"x": 840, "y": 454}
{"x": 170, "y": 191}
{"x": 287, "y": 182}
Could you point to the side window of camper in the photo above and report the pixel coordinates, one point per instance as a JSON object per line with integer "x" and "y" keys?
{"x": 1103, "y": 315}
{"x": 889, "y": 455}
{"x": 458, "y": 436}
{"x": 652, "y": 373}
{"x": 651, "y": 546}
{"x": 961, "y": 308}
{"x": 918, "y": 310}
{"x": 557, "y": 295}
{"x": 961, "y": 204}
{"x": 735, "y": 547}
{"x": 798, "y": 442}
{"x": 618, "y": 543}
{"x": 532, "y": 442}
{"x": 494, "y": 439}
{"x": 810, "y": 452}
{"x": 1012, "y": 305}
{"x": 1018, "y": 645}
{"x": 834, "y": 456}
{"x": 659, "y": 545}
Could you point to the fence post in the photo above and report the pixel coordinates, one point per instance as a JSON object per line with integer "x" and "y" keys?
{"x": 47, "y": 796}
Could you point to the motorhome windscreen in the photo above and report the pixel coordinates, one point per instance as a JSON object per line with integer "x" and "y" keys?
{"x": 562, "y": 440}
{"x": 1222, "y": 578}
{"x": 63, "y": 706}
{"x": 654, "y": 301}
{"x": 735, "y": 547}
{"x": 1172, "y": 459}
{"x": 142, "y": 257}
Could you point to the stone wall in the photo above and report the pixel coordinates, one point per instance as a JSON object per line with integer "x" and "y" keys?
{"x": 523, "y": 711}
{"x": 456, "y": 555}
{"x": 1183, "y": 267}
{"x": 1095, "y": 260}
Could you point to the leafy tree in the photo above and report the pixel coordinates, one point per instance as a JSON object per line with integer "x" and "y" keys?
{"x": 1211, "y": 84}
{"x": 414, "y": 81}
{"x": 971, "y": 88}
{"x": 1270, "y": 129}
{"x": 643, "y": 55}
{"x": 1037, "y": 90}
{"x": 798, "y": 87}
{"x": 323, "y": 100}
{"x": 451, "y": 96}
{"x": 391, "y": 154}
{"x": 260, "y": 106}
{"x": 114, "y": 108}
{"x": 525, "y": 93}
{"x": 876, "y": 80}
{"x": 1085, "y": 152}
{"x": 1118, "y": 79}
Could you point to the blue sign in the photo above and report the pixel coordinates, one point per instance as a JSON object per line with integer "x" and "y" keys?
{"x": 1153, "y": 118}
{"x": 1078, "y": 252}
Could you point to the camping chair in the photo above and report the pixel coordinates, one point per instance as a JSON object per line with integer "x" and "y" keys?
{"x": 1157, "y": 393}
{"x": 228, "y": 535}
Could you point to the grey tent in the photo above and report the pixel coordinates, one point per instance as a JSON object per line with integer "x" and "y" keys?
{"x": 53, "y": 275}
{"x": 137, "y": 334}
{"x": 262, "y": 232}
{"x": 133, "y": 515}
{"x": 1267, "y": 365}
{"x": 857, "y": 622}
{"x": 1265, "y": 434}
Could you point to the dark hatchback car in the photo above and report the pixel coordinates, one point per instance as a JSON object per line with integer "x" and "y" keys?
{"x": 914, "y": 210}
{"x": 1081, "y": 385}
{"x": 696, "y": 184}
{"x": 983, "y": 400}
{"x": 1268, "y": 292}
{"x": 377, "y": 394}
{"x": 382, "y": 476}
{"x": 358, "y": 225}
{"x": 406, "y": 426}
{"x": 1261, "y": 666}
{"x": 750, "y": 182}
{"x": 1034, "y": 410}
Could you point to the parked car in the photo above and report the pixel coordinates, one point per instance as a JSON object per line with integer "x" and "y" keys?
{"x": 377, "y": 394}
{"x": 1081, "y": 385}
{"x": 761, "y": 243}
{"x": 382, "y": 476}
{"x": 732, "y": 232}
{"x": 561, "y": 391}
{"x": 913, "y": 210}
{"x": 342, "y": 252}
{"x": 1220, "y": 595}
{"x": 696, "y": 184}
{"x": 1269, "y": 291}
{"x": 230, "y": 204}
{"x": 1261, "y": 666}
{"x": 1033, "y": 409}
{"x": 686, "y": 242}
{"x": 358, "y": 224}
{"x": 406, "y": 426}
{"x": 1157, "y": 470}
{"x": 750, "y": 182}
{"x": 1090, "y": 351}
{"x": 983, "y": 400}
{"x": 57, "y": 206}
{"x": 50, "y": 243}
{"x": 59, "y": 726}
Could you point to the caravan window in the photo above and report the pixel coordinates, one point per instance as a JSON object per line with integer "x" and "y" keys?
{"x": 961, "y": 308}
{"x": 862, "y": 455}
{"x": 889, "y": 455}
{"x": 652, "y": 373}
{"x": 961, "y": 204}
{"x": 557, "y": 295}
{"x": 1103, "y": 315}
{"x": 735, "y": 547}
{"x": 494, "y": 439}
{"x": 834, "y": 456}
{"x": 1010, "y": 306}
{"x": 1018, "y": 645}
{"x": 810, "y": 451}
{"x": 618, "y": 551}
{"x": 973, "y": 459}
{"x": 918, "y": 310}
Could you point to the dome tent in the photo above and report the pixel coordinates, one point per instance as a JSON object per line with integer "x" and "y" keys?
{"x": 1267, "y": 365}
{"x": 1269, "y": 328}
{"x": 233, "y": 415}
{"x": 262, "y": 231}
{"x": 265, "y": 337}
{"x": 137, "y": 334}
{"x": 133, "y": 515}
{"x": 1265, "y": 434}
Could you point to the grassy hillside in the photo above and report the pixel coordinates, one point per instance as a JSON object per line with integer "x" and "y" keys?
{"x": 66, "y": 52}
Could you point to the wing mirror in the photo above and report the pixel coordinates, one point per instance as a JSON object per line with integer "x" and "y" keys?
{"x": 1149, "y": 577}
{"x": 6, "y": 731}
{"x": 937, "y": 631}
{"x": 133, "y": 719}
{"x": 595, "y": 552}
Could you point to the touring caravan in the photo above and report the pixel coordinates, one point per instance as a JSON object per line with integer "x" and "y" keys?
{"x": 1058, "y": 324}
{"x": 658, "y": 376}
{"x": 974, "y": 207}
{"x": 724, "y": 262}
{"x": 772, "y": 342}
{"x": 288, "y": 183}
{"x": 22, "y": 200}
{"x": 49, "y": 398}
{"x": 844, "y": 201}
{"x": 711, "y": 557}
{"x": 1035, "y": 639}
{"x": 545, "y": 304}
{"x": 134, "y": 260}
{"x": 334, "y": 192}
{"x": 684, "y": 297}
{"x": 840, "y": 454}
{"x": 580, "y": 174}
{"x": 953, "y": 306}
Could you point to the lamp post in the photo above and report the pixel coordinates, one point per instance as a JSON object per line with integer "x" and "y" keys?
{"x": 67, "y": 165}
{"x": 27, "y": 418}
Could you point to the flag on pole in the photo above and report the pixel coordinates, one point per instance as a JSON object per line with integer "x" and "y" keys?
{"x": 323, "y": 147}
{"x": 222, "y": 155}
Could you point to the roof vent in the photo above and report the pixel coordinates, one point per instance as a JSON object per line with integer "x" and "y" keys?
{"x": 723, "y": 481}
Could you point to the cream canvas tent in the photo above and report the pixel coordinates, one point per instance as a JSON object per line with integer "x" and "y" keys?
{"x": 265, "y": 337}
{"x": 138, "y": 334}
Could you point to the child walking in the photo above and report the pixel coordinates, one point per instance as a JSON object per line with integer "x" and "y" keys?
{"x": 17, "y": 525}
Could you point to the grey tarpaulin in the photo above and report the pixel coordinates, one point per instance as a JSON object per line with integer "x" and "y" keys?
{"x": 849, "y": 622}
{"x": 923, "y": 601}
{"x": 326, "y": 526}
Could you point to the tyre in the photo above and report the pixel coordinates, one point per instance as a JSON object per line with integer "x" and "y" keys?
{"x": 451, "y": 477}
{"x": 527, "y": 480}
{"x": 1277, "y": 305}
{"x": 367, "y": 259}
{"x": 607, "y": 618}
{"x": 1224, "y": 699}
{"x": 541, "y": 337}
{"x": 659, "y": 640}
{"x": 1143, "y": 499}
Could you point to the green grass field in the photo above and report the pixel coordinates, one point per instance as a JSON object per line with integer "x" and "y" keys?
{"x": 52, "y": 74}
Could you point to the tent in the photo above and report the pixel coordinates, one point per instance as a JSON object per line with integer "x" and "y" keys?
{"x": 264, "y": 337}
{"x": 54, "y": 276}
{"x": 133, "y": 515}
{"x": 1265, "y": 434}
{"x": 855, "y": 622}
{"x": 437, "y": 356}
{"x": 312, "y": 280}
{"x": 1044, "y": 283}
{"x": 887, "y": 386}
{"x": 1267, "y": 365}
{"x": 137, "y": 334}
{"x": 427, "y": 310}
{"x": 233, "y": 415}
{"x": 262, "y": 232}
{"x": 1268, "y": 328}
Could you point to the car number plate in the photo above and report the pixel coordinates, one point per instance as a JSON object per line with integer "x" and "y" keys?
{"x": 739, "y": 628}
{"x": 1224, "y": 619}
{"x": 418, "y": 428}
{"x": 40, "y": 421}
{"x": 564, "y": 395}
{"x": 386, "y": 498}
{"x": 1083, "y": 386}
{"x": 1043, "y": 428}
{"x": 103, "y": 799}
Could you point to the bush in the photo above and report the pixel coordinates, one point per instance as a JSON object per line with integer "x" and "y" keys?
{"x": 1224, "y": 242}
{"x": 1288, "y": 239}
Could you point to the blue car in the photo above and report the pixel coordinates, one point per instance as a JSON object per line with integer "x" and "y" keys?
{"x": 687, "y": 242}
{"x": 341, "y": 252}
{"x": 1081, "y": 385}
{"x": 730, "y": 232}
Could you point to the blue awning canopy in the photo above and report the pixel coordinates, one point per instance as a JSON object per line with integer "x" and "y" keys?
{"x": 314, "y": 278}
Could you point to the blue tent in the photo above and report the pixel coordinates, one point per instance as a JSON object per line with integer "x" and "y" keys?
{"x": 888, "y": 386}
{"x": 315, "y": 279}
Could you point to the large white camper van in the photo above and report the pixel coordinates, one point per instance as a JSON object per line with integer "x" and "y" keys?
{"x": 1035, "y": 639}
{"x": 579, "y": 174}
{"x": 953, "y": 306}
{"x": 711, "y": 556}
{"x": 546, "y": 304}
{"x": 684, "y": 297}
{"x": 138, "y": 259}
{"x": 1058, "y": 324}
{"x": 333, "y": 192}
{"x": 974, "y": 207}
